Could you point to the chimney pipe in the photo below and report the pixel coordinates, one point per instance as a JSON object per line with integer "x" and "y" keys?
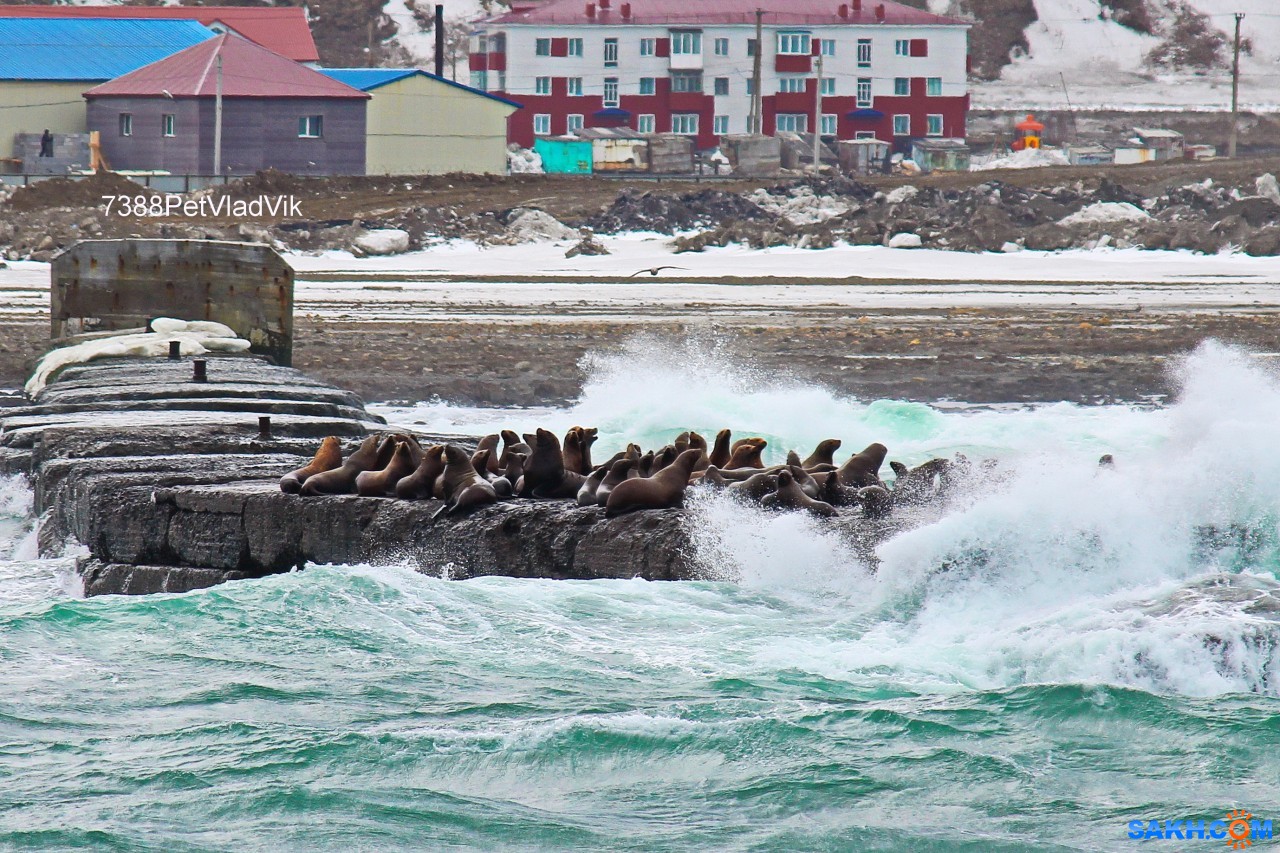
{"x": 880, "y": 12}
{"x": 439, "y": 40}
{"x": 626, "y": 10}
{"x": 844, "y": 10}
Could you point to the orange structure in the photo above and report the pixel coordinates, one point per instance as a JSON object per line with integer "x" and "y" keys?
{"x": 1030, "y": 134}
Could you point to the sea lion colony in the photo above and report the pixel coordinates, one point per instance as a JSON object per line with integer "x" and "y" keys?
{"x": 536, "y": 465}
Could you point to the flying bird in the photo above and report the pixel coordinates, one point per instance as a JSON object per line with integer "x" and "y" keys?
{"x": 655, "y": 270}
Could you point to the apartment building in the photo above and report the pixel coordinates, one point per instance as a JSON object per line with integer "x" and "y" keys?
{"x": 878, "y": 69}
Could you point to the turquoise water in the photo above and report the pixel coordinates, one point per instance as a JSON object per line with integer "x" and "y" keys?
{"x": 1090, "y": 656}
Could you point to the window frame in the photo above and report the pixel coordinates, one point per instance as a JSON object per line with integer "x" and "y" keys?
{"x": 649, "y": 119}
{"x": 929, "y": 124}
{"x": 168, "y": 125}
{"x": 542, "y": 47}
{"x": 828, "y": 86}
{"x": 827, "y": 47}
{"x": 611, "y": 62}
{"x": 901, "y": 87}
{"x": 652, "y": 85}
{"x": 125, "y": 124}
{"x": 311, "y": 127}
{"x": 720, "y": 125}
{"x": 902, "y": 47}
{"x": 932, "y": 90}
{"x": 831, "y": 119}
{"x": 573, "y": 86}
{"x": 687, "y": 75}
{"x": 864, "y": 49}
{"x": 649, "y": 47}
{"x": 542, "y": 85}
{"x": 574, "y": 122}
{"x": 796, "y": 122}
{"x": 721, "y": 83}
{"x": 575, "y": 48}
{"x": 897, "y": 116}
{"x": 864, "y": 86}
{"x": 721, "y": 47}
{"x": 787, "y": 85}
{"x": 681, "y": 38}
{"x": 611, "y": 82}
{"x": 544, "y": 119}
{"x": 689, "y": 120}
{"x": 864, "y": 134}
{"x": 801, "y": 46}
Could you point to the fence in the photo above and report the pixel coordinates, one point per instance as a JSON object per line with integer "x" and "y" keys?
{"x": 160, "y": 183}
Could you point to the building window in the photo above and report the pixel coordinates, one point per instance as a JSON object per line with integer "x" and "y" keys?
{"x": 864, "y": 134}
{"x": 791, "y": 85}
{"x": 166, "y": 125}
{"x": 648, "y": 85}
{"x": 902, "y": 47}
{"x": 864, "y": 91}
{"x": 794, "y": 44}
{"x": 722, "y": 47}
{"x": 497, "y": 43}
{"x": 542, "y": 124}
{"x": 828, "y": 85}
{"x": 902, "y": 85}
{"x": 751, "y": 47}
{"x": 126, "y": 124}
{"x": 574, "y": 123}
{"x": 575, "y": 85}
{"x": 864, "y": 53}
{"x": 645, "y": 123}
{"x": 828, "y": 124}
{"x": 480, "y": 80}
{"x": 686, "y": 81}
{"x": 502, "y": 81}
{"x": 542, "y": 85}
{"x": 720, "y": 125}
{"x": 648, "y": 47}
{"x": 933, "y": 125}
{"x": 685, "y": 123}
{"x": 901, "y": 125}
{"x": 722, "y": 85}
{"x": 688, "y": 42}
{"x": 310, "y": 127}
{"x": 610, "y": 53}
{"x": 611, "y": 91}
{"x": 933, "y": 86}
{"x": 575, "y": 47}
{"x": 751, "y": 86}
{"x": 793, "y": 122}
{"x": 542, "y": 47}
{"x": 828, "y": 47}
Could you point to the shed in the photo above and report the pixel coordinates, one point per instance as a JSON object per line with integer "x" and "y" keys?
{"x": 564, "y": 155}
{"x": 1089, "y": 155}
{"x": 617, "y": 149}
{"x": 940, "y": 155}
{"x": 276, "y": 113}
{"x": 1164, "y": 144}
{"x": 421, "y": 124}
{"x": 45, "y": 65}
{"x": 752, "y": 154}
{"x": 671, "y": 154}
{"x": 864, "y": 156}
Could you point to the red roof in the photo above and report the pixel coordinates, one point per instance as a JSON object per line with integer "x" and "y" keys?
{"x": 786, "y": 13}
{"x": 249, "y": 70}
{"x": 283, "y": 29}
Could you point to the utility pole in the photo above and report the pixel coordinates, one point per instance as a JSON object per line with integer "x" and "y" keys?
{"x": 1235, "y": 90}
{"x": 757, "y": 101}
{"x": 817, "y": 120}
{"x": 217, "y": 121}
{"x": 1071, "y": 111}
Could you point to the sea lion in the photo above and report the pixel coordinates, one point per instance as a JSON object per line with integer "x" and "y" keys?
{"x": 545, "y": 465}
{"x": 663, "y": 490}
{"x": 327, "y": 458}
{"x": 587, "y": 492}
{"x": 663, "y": 458}
{"x": 377, "y": 484}
{"x": 619, "y": 471}
{"x": 480, "y": 461}
{"x": 421, "y": 483}
{"x": 920, "y": 484}
{"x": 712, "y": 478}
{"x": 371, "y": 456}
{"x": 644, "y": 465}
{"x": 719, "y": 455}
{"x": 746, "y": 454}
{"x": 755, "y": 487}
{"x": 863, "y": 469}
{"x": 681, "y": 444}
{"x": 573, "y": 449}
{"x": 511, "y": 443}
{"x": 805, "y": 481}
{"x": 587, "y": 437}
{"x": 789, "y": 495}
{"x": 831, "y": 491}
{"x": 489, "y": 443}
{"x": 876, "y": 501}
{"x": 463, "y": 484}
{"x": 793, "y": 459}
{"x": 822, "y": 454}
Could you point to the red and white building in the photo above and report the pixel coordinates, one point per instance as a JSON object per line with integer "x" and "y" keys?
{"x": 686, "y": 66}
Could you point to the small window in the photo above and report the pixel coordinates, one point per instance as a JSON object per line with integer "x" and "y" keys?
{"x": 480, "y": 80}
{"x": 685, "y": 123}
{"x": 686, "y": 42}
{"x": 864, "y": 134}
{"x": 645, "y": 123}
{"x": 542, "y": 124}
{"x": 309, "y": 127}
{"x": 575, "y": 85}
{"x": 751, "y": 86}
{"x": 901, "y": 125}
{"x": 902, "y": 47}
{"x": 126, "y": 124}
{"x": 686, "y": 81}
{"x": 542, "y": 85}
{"x": 864, "y": 91}
{"x": 828, "y": 124}
{"x": 791, "y": 85}
{"x": 828, "y": 47}
{"x": 722, "y": 85}
{"x": 793, "y": 122}
{"x": 574, "y": 123}
{"x": 902, "y": 86}
{"x": 501, "y": 78}
{"x": 575, "y": 47}
{"x": 720, "y": 125}
{"x": 542, "y": 47}
{"x": 933, "y": 86}
{"x": 166, "y": 124}
{"x": 794, "y": 44}
{"x": 828, "y": 85}
{"x": 482, "y": 44}
{"x": 722, "y": 47}
{"x": 751, "y": 47}
{"x": 648, "y": 85}
{"x": 648, "y": 47}
{"x": 610, "y": 53}
{"x": 611, "y": 91}
{"x": 864, "y": 53}
{"x": 933, "y": 126}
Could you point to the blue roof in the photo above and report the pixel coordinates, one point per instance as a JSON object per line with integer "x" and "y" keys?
{"x": 89, "y": 49}
{"x": 366, "y": 79}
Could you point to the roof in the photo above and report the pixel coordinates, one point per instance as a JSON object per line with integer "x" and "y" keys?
{"x": 368, "y": 79}
{"x": 249, "y": 70}
{"x": 702, "y": 12}
{"x": 89, "y": 51}
{"x": 1157, "y": 133}
{"x": 283, "y": 29}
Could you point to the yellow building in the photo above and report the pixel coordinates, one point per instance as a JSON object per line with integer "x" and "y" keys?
{"x": 421, "y": 124}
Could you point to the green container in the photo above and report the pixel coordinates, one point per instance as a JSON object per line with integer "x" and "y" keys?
{"x": 564, "y": 156}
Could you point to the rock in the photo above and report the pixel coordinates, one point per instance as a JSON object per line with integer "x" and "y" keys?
{"x": 588, "y": 245}
{"x": 1268, "y": 187}
{"x": 383, "y": 241}
{"x": 1257, "y": 211}
{"x": 1263, "y": 243}
{"x": 1010, "y": 248}
{"x": 901, "y": 194}
{"x": 45, "y": 244}
{"x": 530, "y": 225}
{"x": 905, "y": 240}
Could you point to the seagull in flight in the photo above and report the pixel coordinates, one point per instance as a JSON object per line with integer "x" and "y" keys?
{"x": 655, "y": 270}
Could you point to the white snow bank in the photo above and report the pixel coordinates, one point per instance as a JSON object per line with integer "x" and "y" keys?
{"x": 901, "y": 194}
{"x": 1103, "y": 212}
{"x": 537, "y": 226}
{"x": 194, "y": 338}
{"x": 524, "y": 161}
{"x": 1028, "y": 158}
{"x": 801, "y": 206}
{"x": 383, "y": 241}
{"x": 905, "y": 240}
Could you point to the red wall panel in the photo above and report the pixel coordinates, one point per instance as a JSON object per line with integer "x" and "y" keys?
{"x": 791, "y": 64}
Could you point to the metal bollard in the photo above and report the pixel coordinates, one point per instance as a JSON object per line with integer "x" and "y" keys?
{"x": 175, "y": 350}
{"x": 201, "y": 373}
{"x": 264, "y": 426}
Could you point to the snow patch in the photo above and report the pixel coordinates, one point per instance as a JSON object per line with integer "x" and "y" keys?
{"x": 1028, "y": 158}
{"x": 901, "y": 194}
{"x": 524, "y": 161}
{"x": 1105, "y": 212}
{"x": 801, "y": 206}
{"x": 383, "y": 241}
{"x": 1268, "y": 187}
{"x": 905, "y": 241}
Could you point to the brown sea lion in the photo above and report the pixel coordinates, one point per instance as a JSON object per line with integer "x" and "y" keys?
{"x": 545, "y": 465}
{"x": 790, "y": 496}
{"x": 376, "y": 484}
{"x": 327, "y": 458}
{"x": 822, "y": 454}
{"x": 490, "y": 443}
{"x": 831, "y": 491}
{"x": 372, "y": 455}
{"x": 588, "y": 437}
{"x": 746, "y": 454}
{"x": 805, "y": 481}
{"x": 480, "y": 461}
{"x": 663, "y": 490}
{"x": 621, "y": 470}
{"x": 421, "y": 483}
{"x": 465, "y": 487}
{"x": 572, "y": 453}
{"x": 919, "y": 484}
{"x": 511, "y": 443}
{"x": 876, "y": 501}
{"x": 712, "y": 478}
{"x": 681, "y": 444}
{"x": 663, "y": 458}
{"x": 863, "y": 469}
{"x": 644, "y": 465}
{"x": 719, "y": 455}
{"x": 793, "y": 459}
{"x": 587, "y": 492}
{"x": 755, "y": 487}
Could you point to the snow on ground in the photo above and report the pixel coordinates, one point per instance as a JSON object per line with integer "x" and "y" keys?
{"x": 420, "y": 44}
{"x": 1104, "y": 212}
{"x": 1028, "y": 158}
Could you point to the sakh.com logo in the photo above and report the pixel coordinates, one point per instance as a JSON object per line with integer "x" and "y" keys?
{"x": 1240, "y": 829}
